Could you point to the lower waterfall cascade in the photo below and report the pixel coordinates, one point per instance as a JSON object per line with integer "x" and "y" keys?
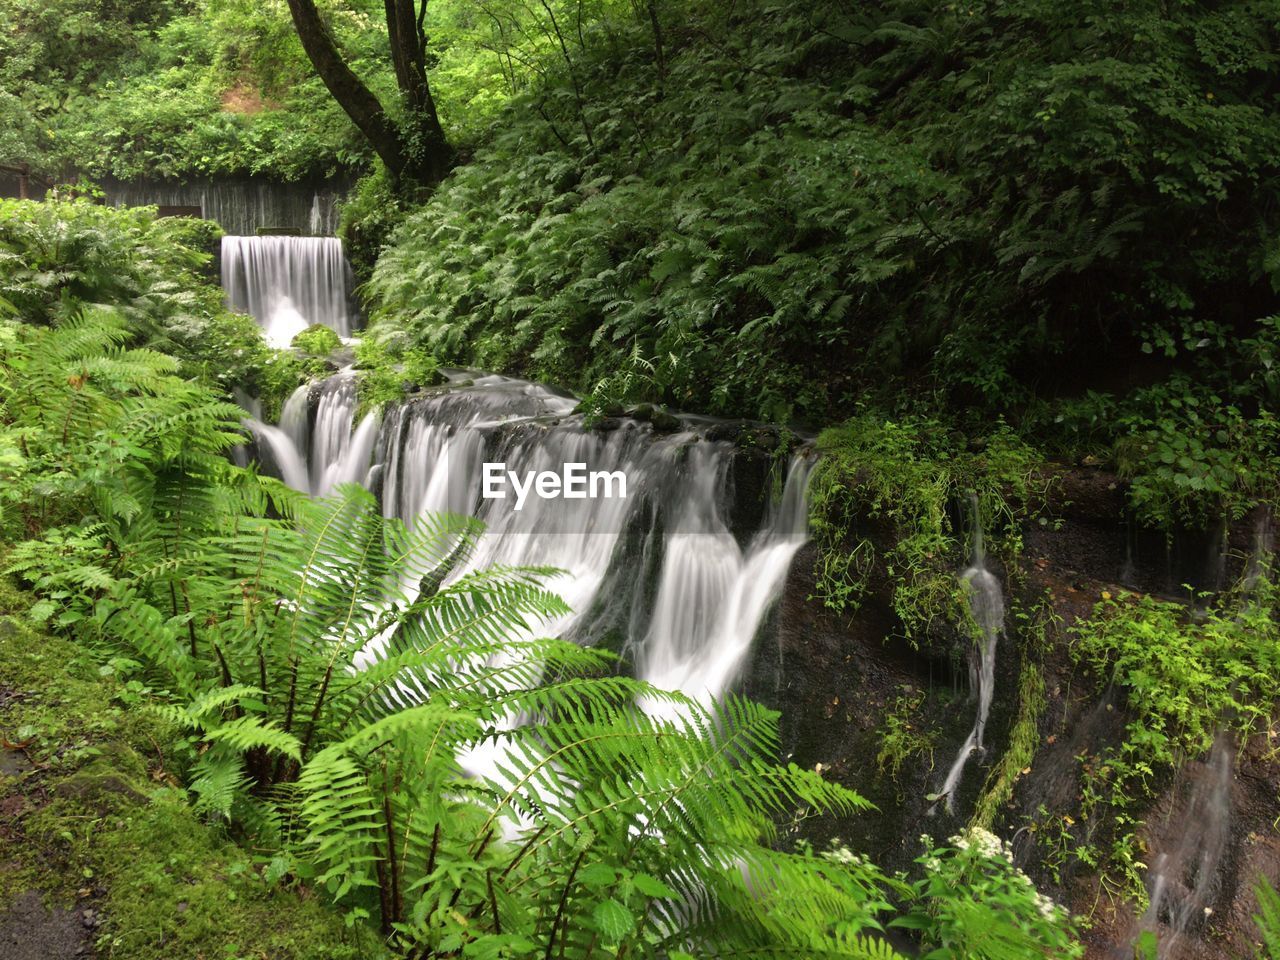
{"x": 289, "y": 283}
{"x": 659, "y": 574}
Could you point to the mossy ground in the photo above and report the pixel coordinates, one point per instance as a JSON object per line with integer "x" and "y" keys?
{"x": 91, "y": 819}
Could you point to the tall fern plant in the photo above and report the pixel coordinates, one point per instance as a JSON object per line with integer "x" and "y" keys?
{"x": 365, "y": 727}
{"x": 404, "y": 741}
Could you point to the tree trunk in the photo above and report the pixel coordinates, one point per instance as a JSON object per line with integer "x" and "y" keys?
{"x": 405, "y": 30}
{"x": 422, "y": 153}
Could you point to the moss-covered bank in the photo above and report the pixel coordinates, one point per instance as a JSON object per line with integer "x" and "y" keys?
{"x": 92, "y": 821}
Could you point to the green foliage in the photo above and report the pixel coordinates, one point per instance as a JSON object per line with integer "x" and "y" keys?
{"x": 1193, "y": 457}
{"x": 899, "y": 478}
{"x": 1268, "y": 920}
{"x": 367, "y": 217}
{"x": 317, "y": 340}
{"x": 388, "y": 370}
{"x": 57, "y": 256}
{"x": 158, "y": 88}
{"x": 147, "y": 88}
{"x": 1184, "y": 680}
{"x": 561, "y": 259}
{"x": 973, "y": 903}
{"x": 839, "y": 199}
{"x": 905, "y": 734}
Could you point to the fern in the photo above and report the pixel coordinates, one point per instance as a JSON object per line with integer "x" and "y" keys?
{"x": 1268, "y": 920}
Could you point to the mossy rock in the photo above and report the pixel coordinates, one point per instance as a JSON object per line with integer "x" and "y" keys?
{"x": 317, "y": 341}
{"x": 94, "y": 826}
{"x": 101, "y": 786}
{"x": 659, "y": 418}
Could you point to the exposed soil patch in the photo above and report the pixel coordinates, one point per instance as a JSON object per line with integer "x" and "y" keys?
{"x": 245, "y": 99}
{"x": 31, "y": 931}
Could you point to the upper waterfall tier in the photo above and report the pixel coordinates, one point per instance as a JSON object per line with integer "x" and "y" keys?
{"x": 289, "y": 283}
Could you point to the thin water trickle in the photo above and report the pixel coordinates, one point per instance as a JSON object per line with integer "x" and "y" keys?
{"x": 986, "y": 604}
{"x": 1185, "y": 877}
{"x": 1259, "y": 562}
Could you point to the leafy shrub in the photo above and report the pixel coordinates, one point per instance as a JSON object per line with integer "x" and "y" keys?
{"x": 56, "y": 256}
{"x": 317, "y": 340}
{"x": 1183, "y": 680}
{"x": 907, "y": 475}
{"x": 797, "y": 204}
{"x": 388, "y": 370}
{"x": 974, "y": 903}
{"x": 1193, "y": 457}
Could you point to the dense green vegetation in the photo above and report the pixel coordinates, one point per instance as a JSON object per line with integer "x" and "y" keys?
{"x": 56, "y": 257}
{"x": 974, "y": 246}
{"x": 265, "y": 631}
{"x": 176, "y": 88}
{"x": 828, "y": 194}
{"x": 1185, "y": 683}
{"x": 105, "y": 823}
{"x": 795, "y": 210}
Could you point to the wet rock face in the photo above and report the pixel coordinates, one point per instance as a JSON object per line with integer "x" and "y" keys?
{"x": 1095, "y": 539}
{"x": 837, "y": 678}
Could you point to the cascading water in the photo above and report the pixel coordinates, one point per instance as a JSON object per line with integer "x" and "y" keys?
{"x": 689, "y": 621}
{"x": 713, "y": 595}
{"x": 289, "y": 283}
{"x": 316, "y": 457}
{"x": 1185, "y": 877}
{"x": 986, "y": 604}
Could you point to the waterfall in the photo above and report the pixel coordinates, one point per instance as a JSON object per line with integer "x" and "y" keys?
{"x": 986, "y": 604}
{"x": 713, "y": 595}
{"x": 1185, "y": 878}
{"x": 1259, "y": 563}
{"x": 316, "y": 457}
{"x": 288, "y": 283}
{"x": 688, "y": 623}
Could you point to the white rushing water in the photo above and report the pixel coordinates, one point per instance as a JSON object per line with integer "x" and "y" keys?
{"x": 315, "y": 457}
{"x": 986, "y": 604}
{"x": 658, "y": 573}
{"x": 289, "y": 283}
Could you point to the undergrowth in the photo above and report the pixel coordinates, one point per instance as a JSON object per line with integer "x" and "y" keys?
{"x": 100, "y": 821}
{"x": 906, "y": 485}
{"x": 1186, "y": 679}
